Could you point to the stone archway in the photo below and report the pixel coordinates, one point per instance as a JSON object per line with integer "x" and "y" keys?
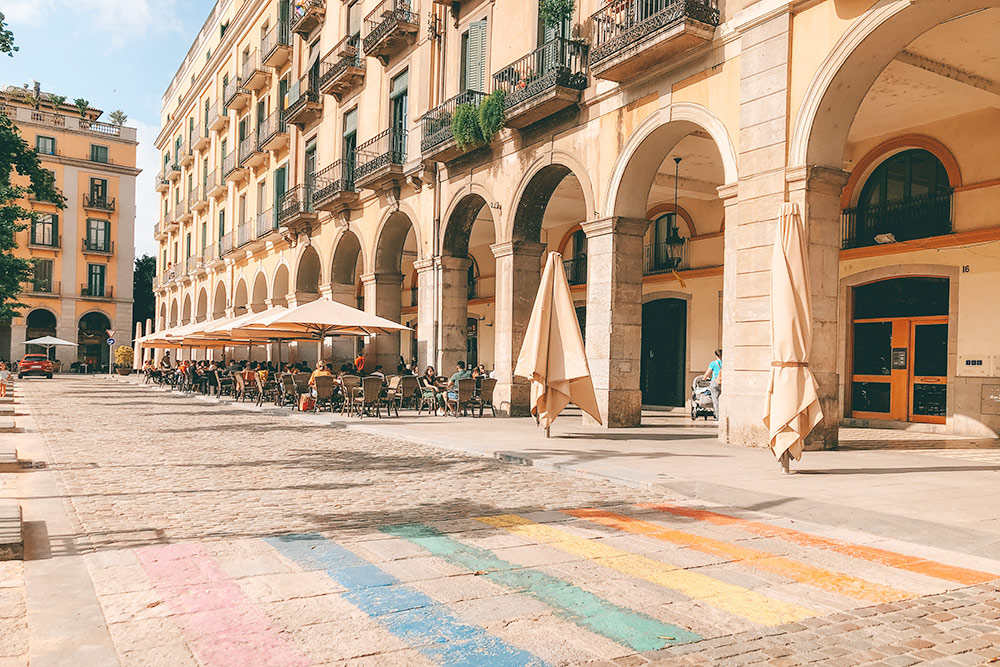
{"x": 241, "y": 298}
{"x": 201, "y": 310}
{"x": 220, "y": 302}
{"x": 346, "y": 269}
{"x": 92, "y": 339}
{"x": 161, "y": 321}
{"x": 397, "y": 248}
{"x": 279, "y": 286}
{"x": 186, "y": 310}
{"x": 39, "y": 322}
{"x": 258, "y": 302}
{"x": 174, "y": 315}
{"x": 307, "y": 276}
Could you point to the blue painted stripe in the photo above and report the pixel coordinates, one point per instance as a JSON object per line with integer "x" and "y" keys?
{"x": 576, "y": 605}
{"x": 409, "y": 614}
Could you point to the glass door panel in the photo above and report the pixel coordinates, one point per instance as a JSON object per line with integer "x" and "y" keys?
{"x": 929, "y": 379}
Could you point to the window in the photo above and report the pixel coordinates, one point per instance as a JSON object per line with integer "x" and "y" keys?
{"x": 222, "y": 223}
{"x": 280, "y": 185}
{"x": 45, "y": 230}
{"x": 204, "y": 234}
{"x": 95, "y": 279}
{"x": 99, "y": 192}
{"x": 398, "y": 104}
{"x": 350, "y": 145}
{"x": 907, "y": 197}
{"x": 41, "y": 276}
{"x": 473, "y": 66}
{"x": 98, "y": 153}
{"x": 45, "y": 145}
{"x": 354, "y": 22}
{"x": 98, "y": 235}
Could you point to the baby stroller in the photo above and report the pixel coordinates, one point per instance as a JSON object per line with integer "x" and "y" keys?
{"x": 701, "y": 399}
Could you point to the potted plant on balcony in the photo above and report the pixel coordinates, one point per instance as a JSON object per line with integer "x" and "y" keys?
{"x": 492, "y": 114}
{"x": 123, "y": 359}
{"x": 555, "y": 14}
{"x": 465, "y": 126}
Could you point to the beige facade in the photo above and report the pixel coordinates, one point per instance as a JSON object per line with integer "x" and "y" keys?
{"x": 651, "y": 144}
{"x": 84, "y": 253}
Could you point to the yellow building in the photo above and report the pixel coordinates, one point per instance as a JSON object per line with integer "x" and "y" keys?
{"x": 309, "y": 149}
{"x": 83, "y": 254}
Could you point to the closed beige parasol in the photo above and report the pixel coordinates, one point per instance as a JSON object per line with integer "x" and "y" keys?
{"x": 792, "y": 406}
{"x": 553, "y": 356}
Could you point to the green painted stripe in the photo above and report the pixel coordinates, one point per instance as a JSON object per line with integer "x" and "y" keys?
{"x": 637, "y": 631}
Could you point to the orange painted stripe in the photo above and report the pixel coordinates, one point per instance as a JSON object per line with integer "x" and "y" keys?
{"x": 899, "y": 561}
{"x": 835, "y": 582}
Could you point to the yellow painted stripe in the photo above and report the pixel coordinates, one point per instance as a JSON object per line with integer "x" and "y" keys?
{"x": 728, "y": 597}
{"x": 828, "y": 580}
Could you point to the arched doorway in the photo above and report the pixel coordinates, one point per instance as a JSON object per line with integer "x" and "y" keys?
{"x": 174, "y": 315}
{"x": 38, "y": 323}
{"x": 220, "y": 301}
{"x": 279, "y": 288}
{"x": 186, "y": 312}
{"x": 202, "y": 308}
{"x": 346, "y": 269}
{"x": 259, "y": 302}
{"x": 241, "y": 299}
{"x": 663, "y": 371}
{"x": 307, "y": 276}
{"x": 92, "y": 340}
{"x": 397, "y": 248}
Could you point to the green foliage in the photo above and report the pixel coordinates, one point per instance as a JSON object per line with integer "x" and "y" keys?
{"x": 124, "y": 356}
{"x": 555, "y": 13}
{"x": 6, "y": 39}
{"x": 18, "y": 159}
{"x": 118, "y": 117}
{"x": 57, "y": 101}
{"x": 143, "y": 301}
{"x": 491, "y": 115}
{"x": 82, "y": 105}
{"x": 465, "y": 126}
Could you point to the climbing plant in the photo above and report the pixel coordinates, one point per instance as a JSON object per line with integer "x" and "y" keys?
{"x": 555, "y": 13}
{"x": 465, "y": 126}
{"x": 491, "y": 115}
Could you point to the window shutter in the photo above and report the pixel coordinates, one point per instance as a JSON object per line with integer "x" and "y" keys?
{"x": 476, "y": 77}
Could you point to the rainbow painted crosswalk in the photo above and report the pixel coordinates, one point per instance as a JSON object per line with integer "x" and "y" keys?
{"x": 518, "y": 589}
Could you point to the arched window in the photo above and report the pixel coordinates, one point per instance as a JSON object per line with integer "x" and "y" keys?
{"x": 907, "y": 197}
{"x": 575, "y": 259}
{"x": 665, "y": 250}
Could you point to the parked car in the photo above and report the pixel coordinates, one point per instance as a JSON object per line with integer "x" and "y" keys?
{"x": 35, "y": 364}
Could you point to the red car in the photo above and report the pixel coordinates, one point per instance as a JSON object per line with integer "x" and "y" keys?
{"x": 35, "y": 364}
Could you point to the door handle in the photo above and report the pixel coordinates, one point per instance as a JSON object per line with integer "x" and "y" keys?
{"x": 929, "y": 380}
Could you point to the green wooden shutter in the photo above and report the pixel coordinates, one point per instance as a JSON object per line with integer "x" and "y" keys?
{"x": 476, "y": 56}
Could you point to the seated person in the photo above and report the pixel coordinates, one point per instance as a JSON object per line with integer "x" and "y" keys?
{"x": 321, "y": 369}
{"x": 460, "y": 374}
{"x": 378, "y": 372}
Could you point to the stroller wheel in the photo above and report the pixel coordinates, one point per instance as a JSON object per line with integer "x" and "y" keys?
{"x": 694, "y": 412}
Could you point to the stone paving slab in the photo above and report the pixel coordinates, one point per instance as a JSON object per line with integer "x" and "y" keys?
{"x": 11, "y": 532}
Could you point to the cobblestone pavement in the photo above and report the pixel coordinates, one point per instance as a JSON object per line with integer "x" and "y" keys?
{"x": 217, "y": 537}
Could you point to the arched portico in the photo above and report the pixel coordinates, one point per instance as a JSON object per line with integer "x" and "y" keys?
{"x": 397, "y": 248}
{"x": 258, "y": 301}
{"x": 347, "y": 267}
{"x": 220, "y": 301}
{"x": 307, "y": 276}
{"x": 279, "y": 286}
{"x": 241, "y": 298}
{"x": 186, "y": 310}
{"x": 201, "y": 310}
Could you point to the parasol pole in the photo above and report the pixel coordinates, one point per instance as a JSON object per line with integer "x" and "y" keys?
{"x": 784, "y": 459}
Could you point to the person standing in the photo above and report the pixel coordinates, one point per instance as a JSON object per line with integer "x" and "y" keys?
{"x": 4, "y": 378}
{"x": 714, "y": 375}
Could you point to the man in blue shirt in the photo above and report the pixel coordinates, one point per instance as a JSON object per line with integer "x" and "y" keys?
{"x": 714, "y": 373}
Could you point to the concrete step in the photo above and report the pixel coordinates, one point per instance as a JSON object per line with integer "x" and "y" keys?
{"x": 6, "y": 410}
{"x": 8, "y": 459}
{"x": 7, "y": 425}
{"x": 11, "y": 533}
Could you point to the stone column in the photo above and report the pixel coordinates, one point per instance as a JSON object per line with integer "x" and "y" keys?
{"x": 614, "y": 316}
{"x": 427, "y": 349}
{"x": 817, "y": 191}
{"x": 517, "y": 275}
{"x": 453, "y": 277}
{"x": 728, "y": 195}
{"x": 382, "y": 298}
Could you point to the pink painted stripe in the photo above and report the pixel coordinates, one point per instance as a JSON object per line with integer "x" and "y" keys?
{"x": 222, "y": 626}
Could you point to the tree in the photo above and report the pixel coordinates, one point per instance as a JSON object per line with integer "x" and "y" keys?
{"x": 6, "y": 39}
{"x": 118, "y": 117}
{"x": 82, "y": 105}
{"x": 57, "y": 101}
{"x": 143, "y": 301}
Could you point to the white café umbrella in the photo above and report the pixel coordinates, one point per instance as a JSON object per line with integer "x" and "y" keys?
{"x": 48, "y": 342}
{"x": 792, "y": 405}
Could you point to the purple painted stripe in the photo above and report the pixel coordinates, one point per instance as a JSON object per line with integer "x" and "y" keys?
{"x": 222, "y": 625}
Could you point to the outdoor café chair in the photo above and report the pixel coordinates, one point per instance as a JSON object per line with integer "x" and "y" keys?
{"x": 465, "y": 393}
{"x": 223, "y": 383}
{"x": 289, "y": 393}
{"x": 351, "y": 387}
{"x": 371, "y": 395}
{"x": 265, "y": 390}
{"x": 301, "y": 382}
{"x": 240, "y": 388}
{"x": 324, "y": 392}
{"x": 408, "y": 391}
{"x": 391, "y": 396}
{"x": 484, "y": 397}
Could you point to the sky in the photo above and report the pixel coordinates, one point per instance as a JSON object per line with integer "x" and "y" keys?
{"x": 117, "y": 54}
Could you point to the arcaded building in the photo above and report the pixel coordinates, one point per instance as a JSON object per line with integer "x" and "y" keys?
{"x": 83, "y": 254}
{"x": 309, "y": 149}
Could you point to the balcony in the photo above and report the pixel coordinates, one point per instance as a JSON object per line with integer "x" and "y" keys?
{"x": 272, "y": 135}
{"x": 97, "y": 291}
{"x": 162, "y": 184}
{"x": 244, "y": 234}
{"x": 629, "y": 37}
{"x": 276, "y": 47}
{"x": 231, "y": 169}
{"x": 251, "y": 155}
{"x": 234, "y": 95}
{"x": 664, "y": 256}
{"x": 918, "y": 217}
{"x": 295, "y": 211}
{"x": 307, "y": 17}
{"x": 199, "y": 199}
{"x": 266, "y": 223}
{"x": 99, "y": 203}
{"x": 437, "y": 141}
{"x": 210, "y": 257}
{"x": 576, "y": 270}
{"x": 42, "y": 288}
{"x": 334, "y": 188}
{"x": 186, "y": 156}
{"x": 183, "y": 211}
{"x": 159, "y": 230}
{"x": 389, "y": 28}
{"x": 191, "y": 265}
{"x": 380, "y": 160}
{"x": 305, "y": 106}
{"x": 217, "y": 120}
{"x": 547, "y": 80}
{"x": 253, "y": 74}
{"x": 170, "y": 222}
{"x": 173, "y": 172}
{"x": 226, "y": 245}
{"x": 215, "y": 186}
{"x": 201, "y": 141}
{"x": 97, "y": 246}
{"x": 342, "y": 70}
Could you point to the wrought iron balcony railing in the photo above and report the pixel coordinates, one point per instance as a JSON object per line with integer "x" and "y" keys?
{"x": 557, "y": 63}
{"x": 225, "y": 244}
{"x": 297, "y": 200}
{"x": 381, "y": 22}
{"x": 209, "y": 254}
{"x": 342, "y": 68}
{"x": 191, "y": 264}
{"x": 230, "y": 163}
{"x": 436, "y": 124}
{"x": 99, "y": 203}
{"x": 244, "y": 234}
{"x": 234, "y": 95}
{"x": 266, "y": 223}
{"x": 276, "y": 44}
{"x": 334, "y": 179}
{"x": 97, "y": 291}
{"x": 304, "y": 104}
{"x": 907, "y": 219}
{"x": 269, "y": 131}
{"x": 384, "y": 149}
{"x": 98, "y": 245}
{"x": 42, "y": 286}
{"x": 664, "y": 257}
{"x": 306, "y": 16}
{"x": 576, "y": 270}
